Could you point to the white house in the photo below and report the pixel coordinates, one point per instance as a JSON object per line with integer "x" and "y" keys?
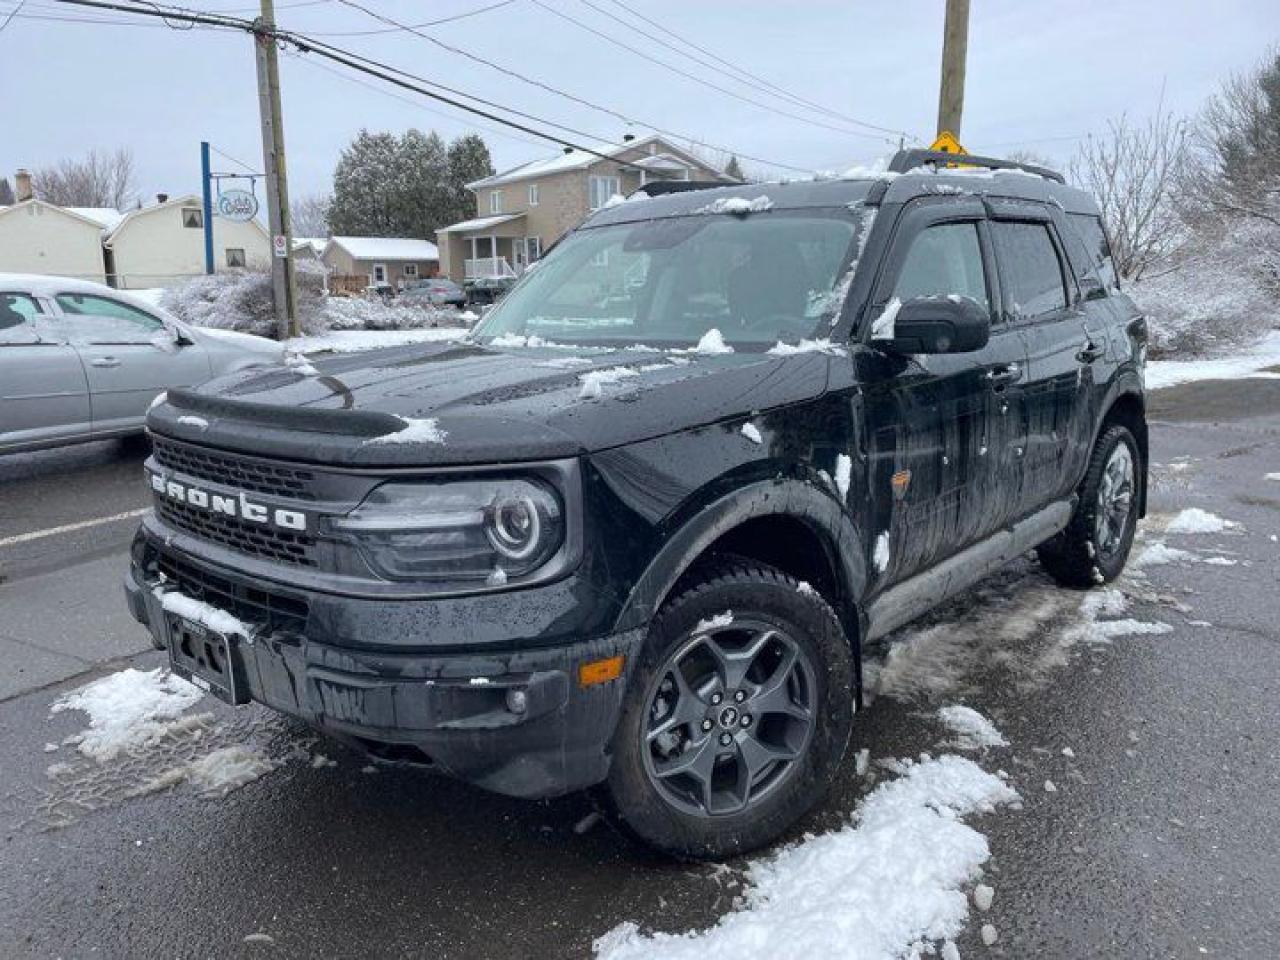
{"x": 163, "y": 245}
{"x": 38, "y": 237}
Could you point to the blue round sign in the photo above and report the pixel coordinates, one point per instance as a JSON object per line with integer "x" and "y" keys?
{"x": 238, "y": 205}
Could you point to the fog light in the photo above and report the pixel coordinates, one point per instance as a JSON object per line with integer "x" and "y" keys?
{"x": 517, "y": 701}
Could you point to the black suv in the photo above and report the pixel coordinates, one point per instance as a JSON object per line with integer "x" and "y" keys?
{"x": 635, "y": 531}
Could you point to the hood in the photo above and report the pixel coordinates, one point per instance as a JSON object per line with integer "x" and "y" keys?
{"x": 488, "y": 404}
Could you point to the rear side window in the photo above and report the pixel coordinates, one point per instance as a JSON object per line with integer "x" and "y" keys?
{"x": 1097, "y": 249}
{"x": 18, "y": 313}
{"x": 944, "y": 260}
{"x": 91, "y": 319}
{"x": 1029, "y": 268}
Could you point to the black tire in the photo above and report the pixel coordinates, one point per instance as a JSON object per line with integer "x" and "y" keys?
{"x": 1078, "y": 556}
{"x": 813, "y": 660}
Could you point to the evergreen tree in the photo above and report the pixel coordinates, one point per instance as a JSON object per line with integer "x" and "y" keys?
{"x": 6, "y": 192}
{"x": 468, "y": 161}
{"x": 364, "y": 188}
{"x": 734, "y": 169}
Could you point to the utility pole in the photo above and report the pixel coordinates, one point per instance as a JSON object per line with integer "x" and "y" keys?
{"x": 284, "y": 293}
{"x": 955, "y": 48}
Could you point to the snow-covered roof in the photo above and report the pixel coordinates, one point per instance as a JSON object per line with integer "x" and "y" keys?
{"x": 107, "y": 217}
{"x": 578, "y": 160}
{"x": 480, "y": 223}
{"x": 387, "y": 248}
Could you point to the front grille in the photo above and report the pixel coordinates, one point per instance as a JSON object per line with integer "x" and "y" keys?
{"x": 269, "y": 543}
{"x": 232, "y": 470}
{"x": 271, "y": 612}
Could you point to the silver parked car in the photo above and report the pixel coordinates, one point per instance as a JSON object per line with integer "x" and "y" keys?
{"x": 81, "y": 361}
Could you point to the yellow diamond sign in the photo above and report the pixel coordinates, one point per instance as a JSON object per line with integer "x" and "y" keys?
{"x": 947, "y": 143}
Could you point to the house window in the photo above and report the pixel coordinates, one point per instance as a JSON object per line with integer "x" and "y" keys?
{"x": 410, "y": 269}
{"x": 235, "y": 257}
{"x": 602, "y": 188}
{"x": 379, "y": 273}
{"x": 193, "y": 217}
{"x": 495, "y": 201}
{"x": 532, "y": 248}
{"x": 533, "y": 194}
{"x": 601, "y": 259}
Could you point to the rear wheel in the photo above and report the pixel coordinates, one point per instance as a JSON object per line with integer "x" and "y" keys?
{"x": 737, "y": 717}
{"x": 1095, "y": 546}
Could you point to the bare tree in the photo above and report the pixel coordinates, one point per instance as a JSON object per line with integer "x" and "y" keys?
{"x": 310, "y": 215}
{"x": 99, "y": 180}
{"x": 1031, "y": 157}
{"x": 1133, "y": 171}
{"x": 1233, "y": 167}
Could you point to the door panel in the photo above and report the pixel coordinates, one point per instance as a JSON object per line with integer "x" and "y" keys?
{"x": 128, "y": 355}
{"x": 1042, "y": 299}
{"x": 947, "y": 431}
{"x": 44, "y": 396}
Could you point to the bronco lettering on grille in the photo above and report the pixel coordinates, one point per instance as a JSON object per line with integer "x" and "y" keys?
{"x": 240, "y": 506}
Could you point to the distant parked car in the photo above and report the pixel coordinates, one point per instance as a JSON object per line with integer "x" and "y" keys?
{"x": 437, "y": 292}
{"x": 81, "y": 361}
{"x": 489, "y": 289}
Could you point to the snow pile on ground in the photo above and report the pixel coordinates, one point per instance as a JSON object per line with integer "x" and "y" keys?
{"x": 1108, "y": 603}
{"x": 889, "y": 882}
{"x": 217, "y": 773}
{"x": 972, "y": 730}
{"x": 414, "y": 431}
{"x": 1195, "y": 520}
{"x": 1157, "y": 554}
{"x": 127, "y": 710}
{"x": 355, "y": 341}
{"x": 1248, "y": 362}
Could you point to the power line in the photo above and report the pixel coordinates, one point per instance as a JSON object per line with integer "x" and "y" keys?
{"x": 694, "y": 77}
{"x": 12, "y": 13}
{"x": 751, "y": 79}
{"x": 427, "y": 23}
{"x": 227, "y": 156}
{"x": 617, "y": 115}
{"x": 397, "y": 76}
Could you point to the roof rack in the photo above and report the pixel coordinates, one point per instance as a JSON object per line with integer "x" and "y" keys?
{"x": 907, "y": 160}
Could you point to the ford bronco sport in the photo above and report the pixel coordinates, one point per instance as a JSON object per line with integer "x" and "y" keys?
{"x": 634, "y": 531}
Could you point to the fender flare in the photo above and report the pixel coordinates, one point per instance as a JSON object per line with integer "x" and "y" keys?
{"x": 1126, "y": 383}
{"x": 808, "y": 502}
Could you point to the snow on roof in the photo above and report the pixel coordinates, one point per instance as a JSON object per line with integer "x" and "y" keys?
{"x": 387, "y": 248}
{"x": 575, "y": 160}
{"x": 480, "y": 223}
{"x": 106, "y": 217}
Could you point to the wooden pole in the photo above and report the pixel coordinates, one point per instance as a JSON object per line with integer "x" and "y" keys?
{"x": 955, "y": 48}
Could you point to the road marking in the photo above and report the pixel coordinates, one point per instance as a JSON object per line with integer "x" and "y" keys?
{"x": 71, "y": 527}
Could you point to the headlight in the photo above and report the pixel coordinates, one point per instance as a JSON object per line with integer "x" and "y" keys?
{"x": 471, "y": 531}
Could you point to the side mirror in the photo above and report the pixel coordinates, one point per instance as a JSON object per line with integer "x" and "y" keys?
{"x": 933, "y": 325}
{"x": 180, "y": 337}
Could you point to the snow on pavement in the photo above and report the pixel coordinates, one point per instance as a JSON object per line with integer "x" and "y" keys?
{"x": 1168, "y": 373}
{"x": 890, "y": 880}
{"x": 972, "y": 730}
{"x": 1195, "y": 520}
{"x": 127, "y": 710}
{"x": 354, "y": 341}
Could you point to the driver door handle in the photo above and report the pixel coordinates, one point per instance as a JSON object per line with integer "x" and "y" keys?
{"x": 104, "y": 362}
{"x": 1089, "y": 352}
{"x": 1004, "y": 374}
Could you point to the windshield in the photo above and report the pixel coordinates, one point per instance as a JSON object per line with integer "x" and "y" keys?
{"x": 758, "y": 280}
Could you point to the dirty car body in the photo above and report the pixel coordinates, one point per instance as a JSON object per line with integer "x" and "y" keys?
{"x": 701, "y": 375}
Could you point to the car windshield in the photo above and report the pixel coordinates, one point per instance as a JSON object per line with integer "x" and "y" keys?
{"x": 757, "y": 280}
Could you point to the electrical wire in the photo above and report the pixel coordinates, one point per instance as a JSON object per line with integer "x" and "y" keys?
{"x": 417, "y": 26}
{"x": 695, "y": 78}
{"x": 227, "y": 156}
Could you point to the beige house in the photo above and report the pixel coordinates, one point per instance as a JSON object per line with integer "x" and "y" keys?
{"x": 358, "y": 262}
{"x": 523, "y": 211}
{"x": 163, "y": 245}
{"x": 39, "y": 237}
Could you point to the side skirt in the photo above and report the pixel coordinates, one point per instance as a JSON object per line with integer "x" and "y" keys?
{"x": 903, "y": 603}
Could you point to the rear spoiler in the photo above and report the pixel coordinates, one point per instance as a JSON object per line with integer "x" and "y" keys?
{"x": 905, "y": 161}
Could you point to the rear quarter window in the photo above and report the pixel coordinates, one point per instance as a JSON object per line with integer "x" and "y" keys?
{"x": 18, "y": 314}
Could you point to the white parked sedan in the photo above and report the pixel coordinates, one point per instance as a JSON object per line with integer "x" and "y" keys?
{"x": 81, "y": 361}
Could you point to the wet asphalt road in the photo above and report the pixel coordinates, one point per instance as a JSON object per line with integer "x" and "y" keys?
{"x": 1162, "y": 838}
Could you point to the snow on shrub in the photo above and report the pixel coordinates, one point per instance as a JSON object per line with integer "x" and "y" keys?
{"x": 241, "y": 300}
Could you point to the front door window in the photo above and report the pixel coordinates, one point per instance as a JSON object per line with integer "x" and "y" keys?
{"x": 379, "y": 273}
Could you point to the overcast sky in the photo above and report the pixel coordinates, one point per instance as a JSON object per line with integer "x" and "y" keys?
{"x": 1039, "y": 71}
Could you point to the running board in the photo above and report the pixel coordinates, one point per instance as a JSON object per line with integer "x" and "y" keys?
{"x": 911, "y": 598}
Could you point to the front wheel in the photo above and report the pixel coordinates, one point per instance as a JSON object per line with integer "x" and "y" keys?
{"x": 1095, "y": 545}
{"x": 737, "y": 717}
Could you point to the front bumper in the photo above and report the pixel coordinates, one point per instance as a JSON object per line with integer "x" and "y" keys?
{"x": 451, "y": 710}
